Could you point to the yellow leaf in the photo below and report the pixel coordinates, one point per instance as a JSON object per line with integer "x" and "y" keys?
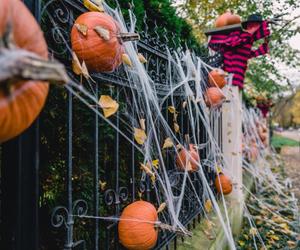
{"x": 168, "y": 143}
{"x": 219, "y": 169}
{"x": 126, "y": 60}
{"x": 141, "y": 58}
{"x": 274, "y": 237}
{"x": 208, "y": 206}
{"x": 155, "y": 163}
{"x": 172, "y": 109}
{"x": 140, "y": 136}
{"x": 93, "y": 5}
{"x": 102, "y": 185}
{"x": 176, "y": 127}
{"x": 241, "y": 243}
{"x": 82, "y": 28}
{"x": 253, "y": 231}
{"x": 142, "y": 123}
{"x": 161, "y": 207}
{"x": 102, "y": 32}
{"x": 108, "y": 105}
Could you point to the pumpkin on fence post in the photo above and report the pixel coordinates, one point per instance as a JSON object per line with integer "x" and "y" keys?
{"x": 98, "y": 41}
{"x": 137, "y": 226}
{"x": 216, "y": 77}
{"x": 214, "y": 97}
{"x": 227, "y": 18}
{"x": 25, "y": 99}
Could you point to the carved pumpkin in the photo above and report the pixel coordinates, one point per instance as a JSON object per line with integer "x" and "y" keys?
{"x": 223, "y": 184}
{"x": 214, "y": 97}
{"x": 227, "y": 19}
{"x": 20, "y": 107}
{"x": 138, "y": 235}
{"x": 96, "y": 39}
{"x": 217, "y": 77}
{"x": 188, "y": 159}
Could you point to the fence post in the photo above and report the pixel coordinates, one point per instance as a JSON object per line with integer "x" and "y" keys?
{"x": 232, "y": 150}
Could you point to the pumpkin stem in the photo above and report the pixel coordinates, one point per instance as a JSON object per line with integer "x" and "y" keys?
{"x": 127, "y": 37}
{"x": 178, "y": 231}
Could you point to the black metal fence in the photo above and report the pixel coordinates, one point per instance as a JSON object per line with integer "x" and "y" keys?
{"x": 61, "y": 166}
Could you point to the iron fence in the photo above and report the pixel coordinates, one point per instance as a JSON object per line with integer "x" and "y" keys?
{"x": 62, "y": 167}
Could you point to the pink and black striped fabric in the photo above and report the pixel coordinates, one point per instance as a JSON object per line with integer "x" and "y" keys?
{"x": 236, "y": 48}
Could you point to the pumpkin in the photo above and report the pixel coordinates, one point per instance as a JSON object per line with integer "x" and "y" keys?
{"x": 214, "y": 97}
{"x": 223, "y": 184}
{"x": 20, "y": 107}
{"x": 135, "y": 234}
{"x": 188, "y": 159}
{"x": 228, "y": 18}
{"x": 217, "y": 77}
{"x": 96, "y": 39}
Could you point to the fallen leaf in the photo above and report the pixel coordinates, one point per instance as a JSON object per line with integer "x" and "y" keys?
{"x": 102, "y": 32}
{"x": 141, "y": 58}
{"x": 142, "y": 123}
{"x": 161, "y": 207}
{"x": 208, "y": 206}
{"x": 155, "y": 163}
{"x": 176, "y": 127}
{"x": 168, "y": 143}
{"x": 82, "y": 28}
{"x": 172, "y": 109}
{"x": 126, "y": 60}
{"x": 140, "y": 136}
{"x": 93, "y": 5}
{"x": 108, "y": 105}
{"x": 102, "y": 185}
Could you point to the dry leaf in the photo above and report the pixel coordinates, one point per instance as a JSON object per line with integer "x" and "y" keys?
{"x": 142, "y": 123}
{"x": 274, "y": 237}
{"x": 161, "y": 207}
{"x": 85, "y": 71}
{"x": 140, "y": 194}
{"x": 208, "y": 206}
{"x": 93, "y": 5}
{"x": 82, "y": 28}
{"x": 108, "y": 105}
{"x": 141, "y": 58}
{"x": 168, "y": 143}
{"x": 140, "y": 136}
{"x": 184, "y": 104}
{"x": 172, "y": 109}
{"x": 155, "y": 163}
{"x": 76, "y": 66}
{"x": 253, "y": 231}
{"x": 209, "y": 224}
{"x": 292, "y": 244}
{"x": 102, "y": 185}
{"x": 176, "y": 127}
{"x": 102, "y": 32}
{"x": 208, "y": 235}
{"x": 126, "y": 60}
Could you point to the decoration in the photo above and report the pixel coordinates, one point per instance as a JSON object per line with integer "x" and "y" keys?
{"x": 214, "y": 97}
{"x": 137, "y": 226}
{"x": 216, "y": 77}
{"x": 100, "y": 44}
{"x": 188, "y": 159}
{"x": 228, "y": 18}
{"x": 223, "y": 184}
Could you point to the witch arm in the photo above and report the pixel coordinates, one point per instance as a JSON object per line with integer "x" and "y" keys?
{"x": 262, "y": 32}
{"x": 262, "y": 50}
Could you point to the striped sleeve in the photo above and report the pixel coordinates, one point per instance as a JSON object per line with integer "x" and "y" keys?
{"x": 262, "y": 50}
{"x": 262, "y": 32}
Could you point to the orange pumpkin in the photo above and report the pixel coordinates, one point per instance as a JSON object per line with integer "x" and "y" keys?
{"x": 188, "y": 159}
{"x": 223, "y": 184}
{"x": 21, "y": 106}
{"x": 228, "y": 18}
{"x": 214, "y": 97}
{"x": 217, "y": 77}
{"x": 96, "y": 39}
{"x": 138, "y": 235}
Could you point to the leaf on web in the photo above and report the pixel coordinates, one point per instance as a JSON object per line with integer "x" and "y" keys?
{"x": 208, "y": 205}
{"x": 108, "y": 105}
{"x": 161, "y": 207}
{"x": 140, "y": 136}
{"x": 168, "y": 143}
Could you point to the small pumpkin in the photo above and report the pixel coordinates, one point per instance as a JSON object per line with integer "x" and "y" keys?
{"x": 214, "y": 97}
{"x": 223, "y": 184}
{"x": 227, "y": 18}
{"x": 188, "y": 159}
{"x": 217, "y": 77}
{"x": 135, "y": 231}
{"x": 97, "y": 40}
{"x": 20, "y": 107}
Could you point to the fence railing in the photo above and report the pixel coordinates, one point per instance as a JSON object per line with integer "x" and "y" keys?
{"x": 62, "y": 167}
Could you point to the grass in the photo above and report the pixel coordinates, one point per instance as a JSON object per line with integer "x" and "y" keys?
{"x": 278, "y": 141}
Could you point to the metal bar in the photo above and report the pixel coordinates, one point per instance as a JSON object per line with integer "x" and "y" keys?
{"x": 223, "y": 30}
